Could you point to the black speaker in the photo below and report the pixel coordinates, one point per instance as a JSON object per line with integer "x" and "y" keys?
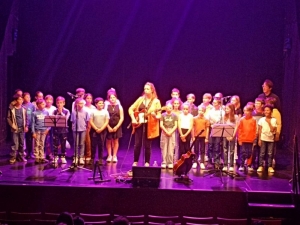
{"x": 146, "y": 176}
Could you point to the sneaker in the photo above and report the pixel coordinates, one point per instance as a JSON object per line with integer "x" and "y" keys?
{"x": 75, "y": 160}
{"x": 55, "y": 160}
{"x": 135, "y": 164}
{"x": 44, "y": 161}
{"x": 81, "y": 161}
{"x": 115, "y": 159}
{"x": 146, "y": 164}
{"x": 163, "y": 166}
{"x": 12, "y": 160}
{"x": 170, "y": 166}
{"x": 206, "y": 158}
{"x": 225, "y": 168}
{"x": 202, "y": 166}
{"x": 63, "y": 160}
{"x": 194, "y": 165}
{"x": 260, "y": 169}
{"x": 231, "y": 169}
{"x": 22, "y": 159}
{"x": 271, "y": 170}
{"x": 109, "y": 158}
{"x": 241, "y": 168}
{"x": 250, "y": 169}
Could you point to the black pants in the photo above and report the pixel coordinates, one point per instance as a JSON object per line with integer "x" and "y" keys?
{"x": 59, "y": 138}
{"x": 140, "y": 139}
{"x": 97, "y": 139}
{"x": 200, "y": 148}
{"x": 184, "y": 147}
{"x": 28, "y": 139}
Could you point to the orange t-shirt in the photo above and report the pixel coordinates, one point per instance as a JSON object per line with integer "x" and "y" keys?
{"x": 200, "y": 124}
{"x": 247, "y": 130}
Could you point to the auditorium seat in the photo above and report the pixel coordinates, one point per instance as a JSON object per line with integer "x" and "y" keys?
{"x": 3, "y": 215}
{"x": 268, "y": 221}
{"x": 25, "y": 215}
{"x": 93, "y": 218}
{"x": 229, "y": 221}
{"x": 134, "y": 219}
{"x": 52, "y": 216}
{"x": 44, "y": 222}
{"x": 197, "y": 220}
{"x": 155, "y": 219}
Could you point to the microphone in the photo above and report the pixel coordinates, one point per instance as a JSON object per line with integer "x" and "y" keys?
{"x": 72, "y": 95}
{"x": 226, "y": 97}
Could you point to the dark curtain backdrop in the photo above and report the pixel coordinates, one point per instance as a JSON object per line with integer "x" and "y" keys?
{"x": 197, "y": 46}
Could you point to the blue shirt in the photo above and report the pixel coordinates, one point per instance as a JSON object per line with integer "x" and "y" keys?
{"x": 30, "y": 108}
{"x": 38, "y": 120}
{"x": 80, "y": 120}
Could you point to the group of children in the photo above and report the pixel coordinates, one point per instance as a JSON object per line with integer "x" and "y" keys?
{"x": 254, "y": 130}
{"x": 91, "y": 125}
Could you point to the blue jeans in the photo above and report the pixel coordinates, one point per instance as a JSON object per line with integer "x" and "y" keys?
{"x": 228, "y": 147}
{"x": 18, "y": 143}
{"x": 215, "y": 145}
{"x": 246, "y": 151}
{"x": 265, "y": 145}
{"x": 79, "y": 138}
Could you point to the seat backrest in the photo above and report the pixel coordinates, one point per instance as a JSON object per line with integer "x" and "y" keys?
{"x": 162, "y": 219}
{"x": 95, "y": 217}
{"x": 197, "y": 220}
{"x": 269, "y": 222}
{"x": 25, "y": 216}
{"x": 229, "y": 221}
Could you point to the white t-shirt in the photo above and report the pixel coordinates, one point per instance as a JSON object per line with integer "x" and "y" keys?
{"x": 185, "y": 121}
{"x": 266, "y": 134}
{"x": 50, "y": 110}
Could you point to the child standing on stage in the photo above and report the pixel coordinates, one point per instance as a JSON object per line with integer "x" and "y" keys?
{"x": 190, "y": 99}
{"x": 60, "y": 134}
{"x": 185, "y": 126}
{"x": 206, "y": 100}
{"x": 116, "y": 118}
{"x": 17, "y": 120}
{"x": 216, "y": 116}
{"x": 48, "y": 144}
{"x": 168, "y": 124}
{"x": 38, "y": 95}
{"x": 99, "y": 121}
{"x": 30, "y": 108}
{"x": 89, "y": 108}
{"x": 246, "y": 135}
{"x": 39, "y": 131}
{"x": 266, "y": 132}
{"x": 174, "y": 94}
{"x": 229, "y": 142}
{"x": 177, "y": 105}
{"x": 79, "y": 118}
{"x": 235, "y": 100}
{"x": 200, "y": 123}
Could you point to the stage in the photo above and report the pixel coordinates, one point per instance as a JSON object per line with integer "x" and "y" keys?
{"x": 45, "y": 188}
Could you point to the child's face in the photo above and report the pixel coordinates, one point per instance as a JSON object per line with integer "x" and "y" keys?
{"x": 267, "y": 112}
{"x": 233, "y": 101}
{"x": 100, "y": 105}
{"x": 60, "y": 104}
{"x": 200, "y": 111}
{"x": 27, "y": 98}
{"x": 257, "y": 105}
{"x": 206, "y": 100}
{"x": 80, "y": 105}
{"x": 80, "y": 94}
{"x": 176, "y": 104}
{"x": 39, "y": 96}
{"x": 88, "y": 99}
{"x": 175, "y": 94}
{"x": 49, "y": 102}
{"x": 41, "y": 106}
{"x": 227, "y": 110}
{"x": 190, "y": 100}
{"x": 169, "y": 108}
{"x": 185, "y": 110}
{"x": 216, "y": 104}
{"x": 19, "y": 101}
{"x": 112, "y": 99}
{"x": 247, "y": 113}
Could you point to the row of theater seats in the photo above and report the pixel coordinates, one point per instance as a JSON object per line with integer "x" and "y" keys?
{"x": 38, "y": 218}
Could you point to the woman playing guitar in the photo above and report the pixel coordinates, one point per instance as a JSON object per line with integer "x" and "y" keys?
{"x": 145, "y": 115}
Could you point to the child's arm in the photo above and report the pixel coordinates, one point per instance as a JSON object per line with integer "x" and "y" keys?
{"x": 259, "y": 134}
{"x": 91, "y": 121}
{"x": 161, "y": 124}
{"x": 174, "y": 128}
{"x": 120, "y": 121}
{"x": 272, "y": 128}
{"x": 190, "y": 128}
{"x": 9, "y": 120}
{"x": 104, "y": 125}
{"x": 179, "y": 126}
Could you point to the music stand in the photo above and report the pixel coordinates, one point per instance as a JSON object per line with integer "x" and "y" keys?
{"x": 222, "y": 131}
{"x": 55, "y": 121}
